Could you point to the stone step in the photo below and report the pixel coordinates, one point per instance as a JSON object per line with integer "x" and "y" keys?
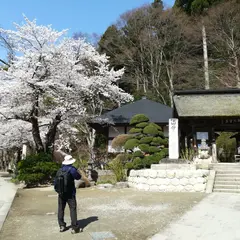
{"x": 226, "y": 166}
{"x": 227, "y": 190}
{"x": 236, "y": 179}
{"x": 233, "y": 164}
{"x": 229, "y": 182}
{"x": 227, "y": 175}
{"x": 216, "y": 186}
{"x": 228, "y": 172}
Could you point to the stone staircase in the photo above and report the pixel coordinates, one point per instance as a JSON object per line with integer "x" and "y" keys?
{"x": 227, "y": 178}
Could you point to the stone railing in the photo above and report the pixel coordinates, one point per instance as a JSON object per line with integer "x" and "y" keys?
{"x": 169, "y": 180}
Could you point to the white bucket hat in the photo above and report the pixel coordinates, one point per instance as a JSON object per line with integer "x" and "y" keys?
{"x": 68, "y": 160}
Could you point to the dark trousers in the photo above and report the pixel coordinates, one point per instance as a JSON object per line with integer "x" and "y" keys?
{"x": 62, "y": 201}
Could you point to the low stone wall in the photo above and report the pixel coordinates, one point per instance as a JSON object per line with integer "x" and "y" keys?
{"x": 178, "y": 180}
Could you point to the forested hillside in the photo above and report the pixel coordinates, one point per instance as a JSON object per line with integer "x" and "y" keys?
{"x": 194, "y": 45}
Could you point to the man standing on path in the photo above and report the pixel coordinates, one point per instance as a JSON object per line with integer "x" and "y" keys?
{"x": 65, "y": 187}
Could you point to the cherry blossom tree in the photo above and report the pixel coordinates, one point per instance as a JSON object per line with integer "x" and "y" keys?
{"x": 51, "y": 84}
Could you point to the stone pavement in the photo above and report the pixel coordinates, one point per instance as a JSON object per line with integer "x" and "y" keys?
{"x": 7, "y": 194}
{"x": 215, "y": 217}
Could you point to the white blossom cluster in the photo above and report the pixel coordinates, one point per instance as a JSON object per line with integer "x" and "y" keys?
{"x": 56, "y": 76}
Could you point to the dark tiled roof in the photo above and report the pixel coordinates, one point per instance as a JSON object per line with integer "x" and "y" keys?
{"x": 157, "y": 112}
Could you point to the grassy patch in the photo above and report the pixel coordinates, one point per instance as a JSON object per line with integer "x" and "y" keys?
{"x": 106, "y": 179}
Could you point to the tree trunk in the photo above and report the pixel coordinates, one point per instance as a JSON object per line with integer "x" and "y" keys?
{"x": 51, "y": 134}
{"x": 205, "y": 56}
{"x": 91, "y": 142}
{"x": 36, "y": 135}
{"x": 237, "y": 70}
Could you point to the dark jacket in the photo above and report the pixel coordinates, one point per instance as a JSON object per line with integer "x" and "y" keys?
{"x": 75, "y": 174}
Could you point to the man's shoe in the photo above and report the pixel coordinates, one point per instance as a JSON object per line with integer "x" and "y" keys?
{"x": 63, "y": 228}
{"x": 74, "y": 231}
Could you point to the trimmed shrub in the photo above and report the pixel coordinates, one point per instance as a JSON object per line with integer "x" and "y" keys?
{"x": 135, "y": 130}
{"x": 146, "y": 139}
{"x": 165, "y": 142}
{"x": 139, "y": 136}
{"x": 157, "y": 141}
{"x": 37, "y": 169}
{"x": 142, "y": 125}
{"x": 144, "y": 147}
{"x": 153, "y": 149}
{"x": 165, "y": 151}
{"x": 131, "y": 144}
{"x": 138, "y": 163}
{"x": 138, "y": 118}
{"x": 157, "y": 126}
{"x": 152, "y": 159}
{"x": 151, "y": 129}
{"x": 138, "y": 154}
{"x": 149, "y": 138}
{"x": 226, "y": 147}
{"x": 129, "y": 165}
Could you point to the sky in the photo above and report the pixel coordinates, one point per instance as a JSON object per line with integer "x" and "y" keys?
{"x": 87, "y": 16}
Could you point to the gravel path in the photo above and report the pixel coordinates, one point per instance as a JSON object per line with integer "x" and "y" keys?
{"x": 216, "y": 217}
{"x": 124, "y": 214}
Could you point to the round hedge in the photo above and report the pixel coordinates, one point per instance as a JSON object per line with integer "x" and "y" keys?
{"x": 146, "y": 139}
{"x": 135, "y": 130}
{"x": 139, "y": 136}
{"x": 157, "y": 141}
{"x": 138, "y": 118}
{"x": 157, "y": 126}
{"x": 151, "y": 129}
{"x": 153, "y": 149}
{"x": 144, "y": 147}
{"x": 131, "y": 144}
{"x": 138, "y": 154}
{"x": 142, "y": 125}
{"x": 165, "y": 142}
{"x": 129, "y": 165}
{"x": 165, "y": 151}
{"x": 138, "y": 163}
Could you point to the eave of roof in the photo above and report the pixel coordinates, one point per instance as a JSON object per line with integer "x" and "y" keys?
{"x": 217, "y": 103}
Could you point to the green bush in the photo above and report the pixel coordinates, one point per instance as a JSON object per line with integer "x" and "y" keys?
{"x": 131, "y": 144}
{"x": 165, "y": 151}
{"x": 139, "y": 136}
{"x": 138, "y": 154}
{"x": 151, "y": 129}
{"x": 157, "y": 141}
{"x": 152, "y": 159}
{"x": 146, "y": 139}
{"x": 153, "y": 149}
{"x": 138, "y": 163}
{"x": 117, "y": 167}
{"x": 37, "y": 169}
{"x": 144, "y": 147}
{"x": 149, "y": 138}
{"x": 142, "y": 125}
{"x": 138, "y": 118}
{"x": 226, "y": 147}
{"x": 135, "y": 130}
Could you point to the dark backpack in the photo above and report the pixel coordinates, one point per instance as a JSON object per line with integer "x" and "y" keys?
{"x": 64, "y": 182}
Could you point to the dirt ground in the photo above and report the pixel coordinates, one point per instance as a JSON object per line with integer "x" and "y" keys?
{"x": 125, "y": 213}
